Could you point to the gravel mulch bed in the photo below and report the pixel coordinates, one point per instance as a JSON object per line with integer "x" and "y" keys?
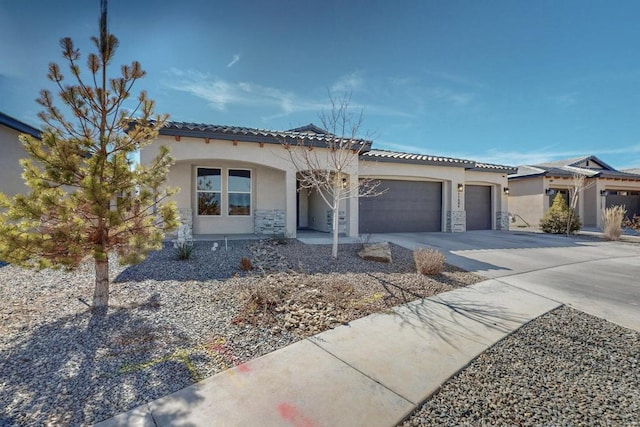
{"x": 566, "y": 368}
{"x": 172, "y": 323}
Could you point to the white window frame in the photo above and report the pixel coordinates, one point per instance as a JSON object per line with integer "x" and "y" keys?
{"x": 250, "y": 192}
{"x": 204, "y": 191}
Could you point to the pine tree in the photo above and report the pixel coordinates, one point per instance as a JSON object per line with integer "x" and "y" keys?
{"x": 555, "y": 219}
{"x": 87, "y": 198}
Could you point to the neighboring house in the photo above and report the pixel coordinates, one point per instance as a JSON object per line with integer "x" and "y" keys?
{"x": 533, "y": 188}
{"x": 242, "y": 180}
{"x": 634, "y": 171}
{"x": 11, "y": 181}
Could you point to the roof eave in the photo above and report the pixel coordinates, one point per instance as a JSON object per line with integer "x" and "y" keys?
{"x": 19, "y": 126}
{"x": 268, "y": 139}
{"x": 413, "y": 161}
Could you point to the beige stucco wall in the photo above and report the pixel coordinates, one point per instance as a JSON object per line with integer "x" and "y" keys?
{"x": 11, "y": 182}
{"x": 528, "y": 198}
{"x": 273, "y": 178}
{"x": 317, "y": 212}
{"x": 527, "y": 201}
{"x": 267, "y": 185}
{"x": 590, "y": 208}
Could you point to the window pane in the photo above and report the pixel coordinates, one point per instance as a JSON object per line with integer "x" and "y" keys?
{"x": 239, "y": 180}
{"x": 239, "y": 204}
{"x": 209, "y": 179}
{"x": 208, "y": 203}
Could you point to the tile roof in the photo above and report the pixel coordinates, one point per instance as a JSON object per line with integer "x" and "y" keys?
{"x": 569, "y": 167}
{"x": 312, "y": 134}
{"x": 400, "y": 157}
{"x": 18, "y": 125}
{"x": 308, "y": 134}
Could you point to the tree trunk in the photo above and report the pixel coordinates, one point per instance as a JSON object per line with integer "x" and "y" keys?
{"x": 101, "y": 291}
{"x": 335, "y": 222}
{"x": 572, "y": 207}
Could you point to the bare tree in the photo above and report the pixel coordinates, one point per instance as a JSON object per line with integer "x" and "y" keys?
{"x": 579, "y": 183}
{"x": 328, "y": 171}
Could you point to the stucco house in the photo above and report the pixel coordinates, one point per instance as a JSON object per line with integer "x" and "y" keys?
{"x": 242, "y": 180}
{"x": 533, "y": 187}
{"x": 11, "y": 181}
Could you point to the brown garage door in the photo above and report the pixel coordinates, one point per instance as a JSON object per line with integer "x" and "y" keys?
{"x": 477, "y": 202}
{"x": 406, "y": 206}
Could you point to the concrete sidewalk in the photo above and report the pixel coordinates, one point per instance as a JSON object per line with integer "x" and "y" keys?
{"x": 372, "y": 372}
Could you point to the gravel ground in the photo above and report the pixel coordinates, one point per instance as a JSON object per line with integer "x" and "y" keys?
{"x": 566, "y": 368}
{"x": 172, "y": 323}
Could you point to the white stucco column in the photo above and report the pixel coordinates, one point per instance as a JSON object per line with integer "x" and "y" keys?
{"x": 352, "y": 209}
{"x": 291, "y": 201}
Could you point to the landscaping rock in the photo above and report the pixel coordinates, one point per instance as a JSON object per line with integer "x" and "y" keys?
{"x": 379, "y": 252}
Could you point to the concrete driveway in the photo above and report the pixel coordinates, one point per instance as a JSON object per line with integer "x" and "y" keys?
{"x": 597, "y": 277}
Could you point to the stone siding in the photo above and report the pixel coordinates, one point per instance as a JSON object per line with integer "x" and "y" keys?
{"x": 456, "y": 221}
{"x": 502, "y": 220}
{"x": 269, "y": 221}
{"x": 342, "y": 221}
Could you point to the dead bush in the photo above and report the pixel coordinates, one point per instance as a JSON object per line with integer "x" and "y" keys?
{"x": 246, "y": 264}
{"x": 612, "y": 218}
{"x": 260, "y": 299}
{"x": 428, "y": 261}
{"x": 633, "y": 223}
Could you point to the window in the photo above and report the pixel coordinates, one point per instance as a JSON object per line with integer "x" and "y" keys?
{"x": 209, "y": 191}
{"x": 239, "y": 192}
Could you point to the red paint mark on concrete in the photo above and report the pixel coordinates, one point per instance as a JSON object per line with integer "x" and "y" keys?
{"x": 243, "y": 367}
{"x": 292, "y": 414}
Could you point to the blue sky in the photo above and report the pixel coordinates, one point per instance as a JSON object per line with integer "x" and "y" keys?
{"x": 511, "y": 82}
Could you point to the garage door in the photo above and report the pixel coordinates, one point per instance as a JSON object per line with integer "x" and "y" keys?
{"x": 477, "y": 202}
{"x": 629, "y": 199}
{"x": 406, "y": 206}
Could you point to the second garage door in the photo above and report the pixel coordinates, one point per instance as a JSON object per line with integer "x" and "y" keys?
{"x": 406, "y": 206}
{"x": 629, "y": 199}
{"x": 477, "y": 202}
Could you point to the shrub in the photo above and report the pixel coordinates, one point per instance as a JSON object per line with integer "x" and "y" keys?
{"x": 428, "y": 261}
{"x": 633, "y": 223}
{"x": 245, "y": 264}
{"x": 555, "y": 219}
{"x": 260, "y": 299}
{"x": 184, "y": 242}
{"x": 184, "y": 250}
{"x": 612, "y": 218}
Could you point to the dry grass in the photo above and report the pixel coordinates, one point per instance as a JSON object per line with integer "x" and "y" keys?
{"x": 428, "y": 261}
{"x": 305, "y": 304}
{"x": 612, "y": 218}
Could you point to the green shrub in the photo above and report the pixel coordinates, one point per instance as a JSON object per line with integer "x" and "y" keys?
{"x": 184, "y": 250}
{"x": 555, "y": 219}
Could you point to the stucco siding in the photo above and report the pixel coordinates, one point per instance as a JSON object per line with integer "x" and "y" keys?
{"x": 11, "y": 182}
{"x": 527, "y": 201}
{"x": 267, "y": 193}
{"x": 317, "y": 212}
{"x": 590, "y": 203}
